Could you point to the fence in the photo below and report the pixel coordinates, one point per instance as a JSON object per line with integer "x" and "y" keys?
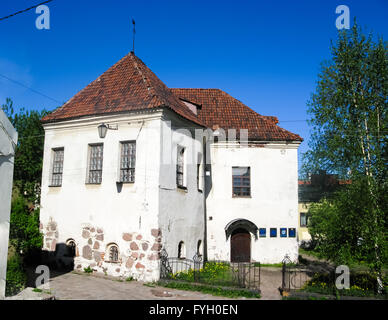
{"x": 295, "y": 275}
{"x": 215, "y": 273}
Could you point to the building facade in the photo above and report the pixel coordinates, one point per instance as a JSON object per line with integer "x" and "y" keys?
{"x": 132, "y": 167}
{"x": 8, "y": 141}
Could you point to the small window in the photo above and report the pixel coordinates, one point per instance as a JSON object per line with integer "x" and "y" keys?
{"x": 283, "y": 232}
{"x": 199, "y": 248}
{"x": 180, "y": 167}
{"x": 113, "y": 253}
{"x": 70, "y": 248}
{"x": 95, "y": 163}
{"x": 127, "y": 161}
{"x": 273, "y": 232}
{"x": 262, "y": 232}
{"x": 199, "y": 173}
{"x": 241, "y": 181}
{"x": 181, "y": 250}
{"x": 57, "y": 169}
{"x": 303, "y": 219}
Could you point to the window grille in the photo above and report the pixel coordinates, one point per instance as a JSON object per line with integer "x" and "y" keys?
{"x": 113, "y": 254}
{"x": 95, "y": 163}
{"x": 241, "y": 181}
{"x": 57, "y": 169}
{"x": 127, "y": 162}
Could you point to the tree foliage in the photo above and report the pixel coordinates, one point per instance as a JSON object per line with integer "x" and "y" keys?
{"x": 349, "y": 137}
{"x": 29, "y": 150}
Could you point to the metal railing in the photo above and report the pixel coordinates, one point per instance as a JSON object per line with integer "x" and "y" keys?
{"x": 215, "y": 273}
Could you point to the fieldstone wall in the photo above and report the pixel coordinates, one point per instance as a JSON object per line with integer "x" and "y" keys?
{"x": 139, "y": 254}
{"x": 50, "y": 235}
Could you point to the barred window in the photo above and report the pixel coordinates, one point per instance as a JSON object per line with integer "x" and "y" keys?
{"x": 113, "y": 253}
{"x": 180, "y": 167}
{"x": 127, "y": 161}
{"x": 57, "y": 169}
{"x": 241, "y": 181}
{"x": 95, "y": 163}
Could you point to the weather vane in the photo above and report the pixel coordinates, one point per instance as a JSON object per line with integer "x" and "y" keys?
{"x": 134, "y": 31}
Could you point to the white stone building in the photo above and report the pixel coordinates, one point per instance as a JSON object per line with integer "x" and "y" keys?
{"x": 8, "y": 141}
{"x": 131, "y": 167}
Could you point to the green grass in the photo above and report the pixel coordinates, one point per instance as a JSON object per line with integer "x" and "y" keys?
{"x": 215, "y": 291}
{"x": 37, "y": 290}
{"x": 150, "y": 284}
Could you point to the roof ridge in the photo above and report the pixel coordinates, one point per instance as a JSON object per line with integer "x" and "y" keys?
{"x": 146, "y": 81}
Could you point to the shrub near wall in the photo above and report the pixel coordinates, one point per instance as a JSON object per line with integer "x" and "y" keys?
{"x": 16, "y": 277}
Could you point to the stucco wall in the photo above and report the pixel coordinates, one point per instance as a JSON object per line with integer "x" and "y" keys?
{"x": 7, "y": 135}
{"x": 273, "y": 202}
{"x": 181, "y": 216}
{"x": 97, "y": 215}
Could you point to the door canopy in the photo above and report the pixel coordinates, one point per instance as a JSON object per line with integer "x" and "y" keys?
{"x": 240, "y": 223}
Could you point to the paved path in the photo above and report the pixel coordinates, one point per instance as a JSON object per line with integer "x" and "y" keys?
{"x": 73, "y": 286}
{"x": 81, "y": 286}
{"x": 270, "y": 281}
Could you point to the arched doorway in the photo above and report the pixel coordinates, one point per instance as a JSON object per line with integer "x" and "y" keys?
{"x": 240, "y": 246}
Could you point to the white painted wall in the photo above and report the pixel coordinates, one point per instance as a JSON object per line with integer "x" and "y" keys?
{"x": 76, "y": 204}
{"x": 273, "y": 202}
{"x": 8, "y": 137}
{"x": 181, "y": 216}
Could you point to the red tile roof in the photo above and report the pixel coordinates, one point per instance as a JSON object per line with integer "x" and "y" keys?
{"x": 222, "y": 110}
{"x": 130, "y": 85}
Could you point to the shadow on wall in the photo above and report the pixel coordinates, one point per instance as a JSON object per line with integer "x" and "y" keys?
{"x": 59, "y": 262}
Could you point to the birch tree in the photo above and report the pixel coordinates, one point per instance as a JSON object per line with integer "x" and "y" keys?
{"x": 349, "y": 123}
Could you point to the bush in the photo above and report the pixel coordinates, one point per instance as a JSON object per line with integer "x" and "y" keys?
{"x": 16, "y": 277}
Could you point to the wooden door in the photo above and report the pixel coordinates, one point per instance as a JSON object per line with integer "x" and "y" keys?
{"x": 240, "y": 246}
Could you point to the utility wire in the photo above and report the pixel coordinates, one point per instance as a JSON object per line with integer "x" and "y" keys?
{"x": 21, "y": 11}
{"x": 33, "y": 90}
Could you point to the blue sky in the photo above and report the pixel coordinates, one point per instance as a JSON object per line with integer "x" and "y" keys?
{"x": 265, "y": 53}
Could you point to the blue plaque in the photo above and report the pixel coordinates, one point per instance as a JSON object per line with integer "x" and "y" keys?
{"x": 291, "y": 232}
{"x": 283, "y": 232}
{"x": 263, "y": 232}
{"x": 273, "y": 232}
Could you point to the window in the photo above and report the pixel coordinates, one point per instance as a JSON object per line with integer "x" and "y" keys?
{"x": 70, "y": 248}
{"x": 57, "y": 169}
{"x": 273, "y": 233}
{"x": 199, "y": 248}
{"x": 113, "y": 253}
{"x": 303, "y": 219}
{"x": 262, "y": 232}
{"x": 241, "y": 181}
{"x": 127, "y": 161}
{"x": 199, "y": 173}
{"x": 95, "y": 163}
{"x": 181, "y": 250}
{"x": 180, "y": 167}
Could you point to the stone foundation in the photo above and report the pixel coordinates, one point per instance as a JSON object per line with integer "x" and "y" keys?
{"x": 139, "y": 254}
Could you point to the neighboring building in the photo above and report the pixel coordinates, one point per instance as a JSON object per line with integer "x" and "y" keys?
{"x": 8, "y": 141}
{"x": 157, "y": 181}
{"x": 312, "y": 190}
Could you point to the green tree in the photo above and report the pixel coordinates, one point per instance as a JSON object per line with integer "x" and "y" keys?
{"x": 25, "y": 237}
{"x": 349, "y": 137}
{"x": 29, "y": 150}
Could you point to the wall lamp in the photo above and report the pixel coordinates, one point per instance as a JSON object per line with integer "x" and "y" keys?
{"x": 103, "y": 128}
